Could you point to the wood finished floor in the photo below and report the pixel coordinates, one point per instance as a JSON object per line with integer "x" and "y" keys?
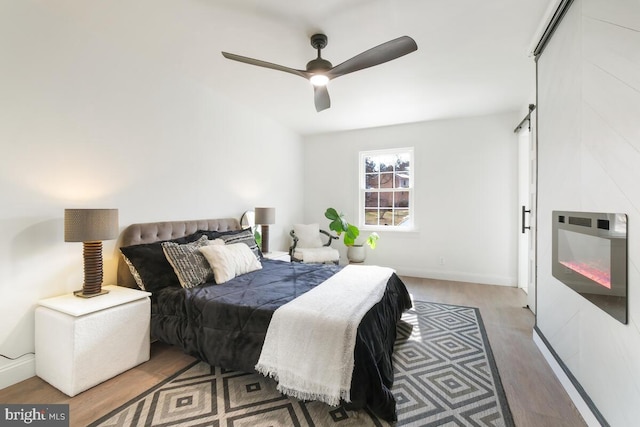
{"x": 535, "y": 396}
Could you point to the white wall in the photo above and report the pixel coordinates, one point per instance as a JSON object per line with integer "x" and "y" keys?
{"x": 589, "y": 160}
{"x": 465, "y": 195}
{"x": 98, "y": 110}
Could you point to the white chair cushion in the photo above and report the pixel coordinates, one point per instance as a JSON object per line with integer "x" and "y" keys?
{"x": 308, "y": 235}
{"x": 322, "y": 254}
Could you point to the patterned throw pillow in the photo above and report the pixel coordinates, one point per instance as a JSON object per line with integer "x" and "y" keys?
{"x": 134, "y": 272}
{"x": 188, "y": 263}
{"x": 246, "y": 237}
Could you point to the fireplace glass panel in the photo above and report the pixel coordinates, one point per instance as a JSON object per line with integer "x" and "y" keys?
{"x": 590, "y": 257}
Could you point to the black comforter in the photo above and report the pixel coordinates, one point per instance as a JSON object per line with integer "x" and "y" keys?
{"x": 225, "y": 325}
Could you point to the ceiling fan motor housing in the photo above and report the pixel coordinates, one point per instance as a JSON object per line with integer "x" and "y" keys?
{"x": 318, "y": 64}
{"x": 319, "y": 41}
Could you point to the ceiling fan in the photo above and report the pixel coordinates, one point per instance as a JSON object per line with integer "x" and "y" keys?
{"x": 319, "y": 71}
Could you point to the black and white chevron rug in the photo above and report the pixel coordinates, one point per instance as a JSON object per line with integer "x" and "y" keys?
{"x": 445, "y": 375}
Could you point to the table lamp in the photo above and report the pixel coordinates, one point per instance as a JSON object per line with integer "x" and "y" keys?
{"x": 264, "y": 217}
{"x": 91, "y": 227}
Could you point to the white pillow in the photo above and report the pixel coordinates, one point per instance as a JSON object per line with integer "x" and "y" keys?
{"x": 229, "y": 261}
{"x": 308, "y": 235}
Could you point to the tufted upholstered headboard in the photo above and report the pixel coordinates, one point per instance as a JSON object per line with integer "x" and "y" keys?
{"x": 151, "y": 232}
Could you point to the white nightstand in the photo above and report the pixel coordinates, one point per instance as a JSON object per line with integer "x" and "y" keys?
{"x": 81, "y": 342}
{"x": 279, "y": 255}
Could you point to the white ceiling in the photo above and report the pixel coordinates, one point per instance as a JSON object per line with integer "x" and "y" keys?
{"x": 472, "y": 58}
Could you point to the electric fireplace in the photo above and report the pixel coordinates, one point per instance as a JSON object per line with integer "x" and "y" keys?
{"x": 590, "y": 256}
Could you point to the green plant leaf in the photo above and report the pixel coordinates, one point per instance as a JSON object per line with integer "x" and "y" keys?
{"x": 331, "y": 214}
{"x": 372, "y": 240}
{"x": 351, "y": 235}
{"x": 348, "y": 241}
{"x": 338, "y": 222}
{"x": 336, "y": 225}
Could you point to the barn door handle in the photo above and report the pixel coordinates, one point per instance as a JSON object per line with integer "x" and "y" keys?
{"x": 524, "y": 211}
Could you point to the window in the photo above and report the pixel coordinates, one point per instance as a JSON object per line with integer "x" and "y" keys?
{"x": 386, "y": 189}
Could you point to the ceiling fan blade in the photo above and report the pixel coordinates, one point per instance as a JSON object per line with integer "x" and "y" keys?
{"x": 266, "y": 64}
{"x": 321, "y": 98}
{"x": 377, "y": 55}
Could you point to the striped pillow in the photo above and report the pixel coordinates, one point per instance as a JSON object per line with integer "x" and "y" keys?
{"x": 188, "y": 263}
{"x": 246, "y": 237}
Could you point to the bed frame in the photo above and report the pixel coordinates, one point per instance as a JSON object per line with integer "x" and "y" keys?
{"x": 150, "y": 232}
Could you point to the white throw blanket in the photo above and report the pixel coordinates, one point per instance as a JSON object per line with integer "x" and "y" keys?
{"x": 310, "y": 341}
{"x": 322, "y": 254}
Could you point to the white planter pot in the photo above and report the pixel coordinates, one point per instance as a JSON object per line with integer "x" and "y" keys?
{"x": 356, "y": 254}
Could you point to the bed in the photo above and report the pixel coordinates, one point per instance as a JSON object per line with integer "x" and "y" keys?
{"x": 225, "y": 325}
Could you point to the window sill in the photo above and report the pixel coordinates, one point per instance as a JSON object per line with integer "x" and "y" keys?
{"x": 369, "y": 229}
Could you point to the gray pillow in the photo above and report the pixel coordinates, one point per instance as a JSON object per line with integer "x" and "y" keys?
{"x": 244, "y": 236}
{"x": 188, "y": 263}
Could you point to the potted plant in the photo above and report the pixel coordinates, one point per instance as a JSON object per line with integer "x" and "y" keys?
{"x": 355, "y": 251}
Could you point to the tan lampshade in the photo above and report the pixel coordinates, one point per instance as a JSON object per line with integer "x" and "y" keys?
{"x": 265, "y": 216}
{"x": 87, "y": 225}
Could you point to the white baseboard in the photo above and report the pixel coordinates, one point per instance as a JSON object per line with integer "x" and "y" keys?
{"x": 568, "y": 385}
{"x": 458, "y": 277}
{"x": 14, "y": 371}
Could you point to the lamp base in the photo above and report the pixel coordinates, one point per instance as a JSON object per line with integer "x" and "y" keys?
{"x": 265, "y": 238}
{"x": 82, "y": 294}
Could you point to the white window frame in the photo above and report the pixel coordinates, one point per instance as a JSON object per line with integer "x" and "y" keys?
{"x": 409, "y": 224}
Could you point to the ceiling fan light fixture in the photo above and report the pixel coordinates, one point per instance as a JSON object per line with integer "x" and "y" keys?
{"x": 319, "y": 80}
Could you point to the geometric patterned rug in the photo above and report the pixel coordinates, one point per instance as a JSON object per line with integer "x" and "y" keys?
{"x": 445, "y": 375}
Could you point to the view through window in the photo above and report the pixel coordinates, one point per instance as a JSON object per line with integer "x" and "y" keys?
{"x": 386, "y": 188}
